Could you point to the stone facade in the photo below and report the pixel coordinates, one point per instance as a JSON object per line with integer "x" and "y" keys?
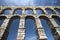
{"x": 55, "y": 29}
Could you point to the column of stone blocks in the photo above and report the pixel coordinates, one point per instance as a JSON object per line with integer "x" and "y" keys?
{"x": 44, "y": 11}
{"x": 3, "y": 34}
{"x": 12, "y": 11}
{"x": 53, "y": 23}
{"x": 55, "y": 29}
{"x": 55, "y": 11}
{"x": 23, "y": 11}
{"x": 21, "y": 34}
{"x": 21, "y": 30}
{"x": 34, "y": 11}
{"x": 57, "y": 33}
{"x": 40, "y": 30}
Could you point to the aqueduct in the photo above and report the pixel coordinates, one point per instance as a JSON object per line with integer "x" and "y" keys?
{"x": 55, "y": 29}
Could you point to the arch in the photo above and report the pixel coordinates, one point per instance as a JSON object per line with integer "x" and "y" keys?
{"x": 6, "y": 9}
{"x": 29, "y": 11}
{"x": 30, "y": 28}
{"x": 28, "y": 8}
{"x": 39, "y": 11}
{"x": 57, "y": 9}
{"x": 12, "y": 27}
{"x": 18, "y": 8}
{"x": 50, "y": 11}
{"x": 45, "y": 17}
{"x": 31, "y": 17}
{"x": 57, "y": 19}
{"x": 14, "y": 17}
{"x": 2, "y": 18}
{"x": 17, "y": 11}
{"x": 55, "y": 16}
{"x": 45, "y": 20}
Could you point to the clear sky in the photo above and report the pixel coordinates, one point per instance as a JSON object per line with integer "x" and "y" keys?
{"x": 30, "y": 2}
{"x": 30, "y": 25}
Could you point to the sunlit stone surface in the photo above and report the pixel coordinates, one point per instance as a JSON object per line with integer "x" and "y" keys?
{"x": 55, "y": 29}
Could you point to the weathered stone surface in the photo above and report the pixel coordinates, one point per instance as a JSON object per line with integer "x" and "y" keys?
{"x": 55, "y": 29}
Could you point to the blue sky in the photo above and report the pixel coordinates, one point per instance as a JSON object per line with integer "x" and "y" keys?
{"x": 30, "y": 2}
{"x": 30, "y": 25}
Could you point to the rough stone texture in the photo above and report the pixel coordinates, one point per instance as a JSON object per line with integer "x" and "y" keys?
{"x": 55, "y": 29}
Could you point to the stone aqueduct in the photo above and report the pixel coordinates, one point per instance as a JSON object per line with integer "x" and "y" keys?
{"x": 55, "y": 29}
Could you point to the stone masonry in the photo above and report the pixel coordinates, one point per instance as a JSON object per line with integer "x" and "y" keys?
{"x": 55, "y": 29}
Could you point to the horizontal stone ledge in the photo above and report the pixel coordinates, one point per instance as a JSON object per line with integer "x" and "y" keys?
{"x": 28, "y": 6}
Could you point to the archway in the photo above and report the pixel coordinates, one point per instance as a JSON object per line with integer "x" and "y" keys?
{"x": 45, "y": 23}
{"x": 30, "y": 28}
{"x": 13, "y": 28}
{"x": 57, "y": 19}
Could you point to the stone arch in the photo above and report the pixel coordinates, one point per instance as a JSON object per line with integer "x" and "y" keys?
{"x": 5, "y": 10}
{"x": 3, "y": 17}
{"x": 17, "y": 9}
{"x": 31, "y": 17}
{"x": 38, "y": 8}
{"x": 47, "y": 20}
{"x": 13, "y": 21}
{"x": 49, "y": 25}
{"x": 50, "y": 11}
{"x": 14, "y": 17}
{"x": 6, "y": 32}
{"x": 42, "y": 12}
{"x": 57, "y": 9}
{"x": 45, "y": 17}
{"x": 30, "y": 10}
{"x": 56, "y": 18}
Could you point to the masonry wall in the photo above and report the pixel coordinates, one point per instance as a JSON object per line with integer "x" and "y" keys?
{"x": 55, "y": 29}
